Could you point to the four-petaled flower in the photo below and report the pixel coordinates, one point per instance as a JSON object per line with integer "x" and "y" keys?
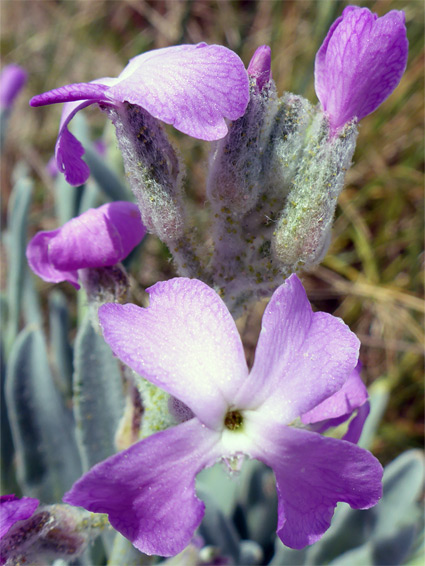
{"x": 99, "y": 237}
{"x": 192, "y": 87}
{"x": 359, "y": 64}
{"x": 187, "y": 343}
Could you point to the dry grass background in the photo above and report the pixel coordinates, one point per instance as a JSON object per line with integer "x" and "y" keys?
{"x": 373, "y": 274}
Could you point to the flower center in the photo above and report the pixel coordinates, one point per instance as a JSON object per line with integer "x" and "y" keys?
{"x": 233, "y": 420}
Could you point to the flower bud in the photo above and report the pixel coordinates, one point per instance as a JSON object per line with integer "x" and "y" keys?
{"x": 259, "y": 67}
{"x": 235, "y": 164}
{"x": 153, "y": 169}
{"x": 303, "y": 232}
{"x": 360, "y": 63}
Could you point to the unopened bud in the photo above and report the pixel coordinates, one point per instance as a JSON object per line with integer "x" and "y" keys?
{"x": 235, "y": 164}
{"x": 303, "y": 233}
{"x": 156, "y": 407}
{"x": 104, "y": 285}
{"x": 259, "y": 67}
{"x": 285, "y": 145}
{"x": 153, "y": 169}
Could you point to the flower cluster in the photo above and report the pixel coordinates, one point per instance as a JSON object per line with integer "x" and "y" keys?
{"x": 275, "y": 172}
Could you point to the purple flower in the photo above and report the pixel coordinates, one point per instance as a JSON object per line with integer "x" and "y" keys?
{"x": 360, "y": 63}
{"x": 12, "y": 80}
{"x": 13, "y": 509}
{"x": 192, "y": 87}
{"x": 259, "y": 67}
{"x": 97, "y": 238}
{"x": 187, "y": 343}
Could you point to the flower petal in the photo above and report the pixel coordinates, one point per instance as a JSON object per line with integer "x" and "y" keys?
{"x": 313, "y": 473}
{"x": 112, "y": 231}
{"x": 360, "y": 63}
{"x": 99, "y": 237}
{"x": 192, "y": 87}
{"x": 340, "y": 406}
{"x": 185, "y": 342}
{"x": 70, "y": 93}
{"x": 13, "y": 509}
{"x": 148, "y": 490}
{"x": 342, "y": 403}
{"x": 68, "y": 149}
{"x": 355, "y": 428}
{"x": 302, "y": 357}
{"x": 39, "y": 261}
{"x": 12, "y": 80}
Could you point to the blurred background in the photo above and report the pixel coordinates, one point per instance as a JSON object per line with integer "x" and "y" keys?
{"x": 373, "y": 274}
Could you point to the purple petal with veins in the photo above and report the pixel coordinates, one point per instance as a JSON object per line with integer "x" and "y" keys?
{"x": 360, "y": 63}
{"x": 192, "y": 87}
{"x": 71, "y": 93}
{"x": 99, "y": 237}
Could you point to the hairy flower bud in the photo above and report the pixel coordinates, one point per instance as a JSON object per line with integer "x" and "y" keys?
{"x": 235, "y": 164}
{"x": 302, "y": 234}
{"x": 285, "y": 145}
{"x": 153, "y": 169}
{"x": 243, "y": 262}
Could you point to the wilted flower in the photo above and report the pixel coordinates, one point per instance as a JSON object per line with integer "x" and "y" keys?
{"x": 192, "y": 87}
{"x": 14, "y": 509}
{"x": 33, "y": 534}
{"x": 187, "y": 343}
{"x": 99, "y": 237}
{"x": 360, "y": 63}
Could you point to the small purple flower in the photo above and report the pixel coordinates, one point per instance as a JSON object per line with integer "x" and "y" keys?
{"x": 259, "y": 67}
{"x": 14, "y": 509}
{"x": 97, "y": 238}
{"x": 12, "y": 80}
{"x": 192, "y": 87}
{"x": 187, "y": 343}
{"x": 360, "y": 63}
